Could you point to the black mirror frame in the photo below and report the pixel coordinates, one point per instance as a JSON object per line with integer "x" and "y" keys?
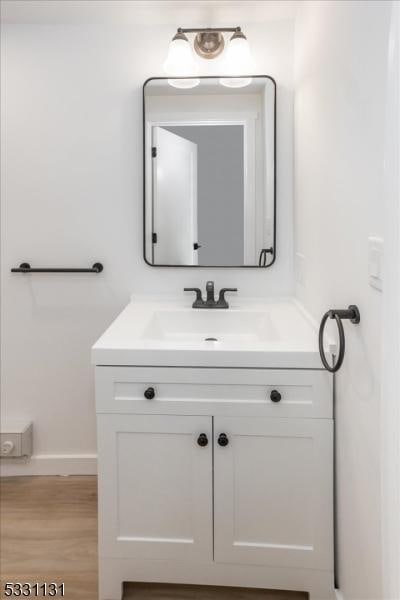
{"x": 274, "y": 252}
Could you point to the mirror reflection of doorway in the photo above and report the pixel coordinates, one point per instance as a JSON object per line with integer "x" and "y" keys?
{"x": 220, "y": 190}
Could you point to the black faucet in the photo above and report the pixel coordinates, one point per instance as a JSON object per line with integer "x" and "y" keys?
{"x": 210, "y": 292}
{"x": 210, "y": 302}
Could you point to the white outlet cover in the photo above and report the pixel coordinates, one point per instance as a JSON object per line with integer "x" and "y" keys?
{"x": 375, "y": 262}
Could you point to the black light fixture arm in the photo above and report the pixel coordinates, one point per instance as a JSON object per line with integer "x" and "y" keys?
{"x": 353, "y": 315}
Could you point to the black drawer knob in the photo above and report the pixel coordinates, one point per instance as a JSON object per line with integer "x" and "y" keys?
{"x": 149, "y": 393}
{"x": 202, "y": 440}
{"x": 275, "y": 396}
{"x": 223, "y": 439}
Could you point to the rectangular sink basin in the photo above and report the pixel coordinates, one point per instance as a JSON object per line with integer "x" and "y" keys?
{"x": 251, "y": 333}
{"x": 210, "y": 325}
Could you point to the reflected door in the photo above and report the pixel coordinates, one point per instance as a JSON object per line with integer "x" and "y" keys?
{"x": 174, "y": 199}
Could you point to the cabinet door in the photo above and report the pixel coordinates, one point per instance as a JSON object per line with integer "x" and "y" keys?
{"x": 273, "y": 491}
{"x": 155, "y": 486}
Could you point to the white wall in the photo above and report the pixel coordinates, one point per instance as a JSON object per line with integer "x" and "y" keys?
{"x": 341, "y": 66}
{"x": 390, "y": 407}
{"x": 72, "y": 195}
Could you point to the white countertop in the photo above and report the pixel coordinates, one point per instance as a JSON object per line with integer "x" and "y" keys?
{"x": 168, "y": 332}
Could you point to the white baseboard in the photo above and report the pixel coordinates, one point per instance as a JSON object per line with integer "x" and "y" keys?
{"x": 338, "y": 594}
{"x": 50, "y": 464}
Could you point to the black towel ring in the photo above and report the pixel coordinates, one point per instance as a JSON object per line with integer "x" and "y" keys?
{"x": 353, "y": 314}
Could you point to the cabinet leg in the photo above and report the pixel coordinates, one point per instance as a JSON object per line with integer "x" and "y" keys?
{"x": 110, "y": 588}
{"x": 321, "y": 593}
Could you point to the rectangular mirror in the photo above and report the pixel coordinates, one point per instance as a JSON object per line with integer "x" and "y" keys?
{"x": 209, "y": 167}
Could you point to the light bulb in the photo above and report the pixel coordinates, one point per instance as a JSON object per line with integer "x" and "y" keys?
{"x": 184, "y": 84}
{"x": 235, "y": 82}
{"x": 180, "y": 60}
{"x": 238, "y": 59}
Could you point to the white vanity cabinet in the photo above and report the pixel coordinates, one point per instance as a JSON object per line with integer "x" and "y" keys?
{"x": 211, "y": 482}
{"x": 156, "y": 486}
{"x": 268, "y": 507}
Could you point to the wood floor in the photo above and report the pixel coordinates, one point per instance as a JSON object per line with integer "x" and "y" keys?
{"x": 48, "y": 529}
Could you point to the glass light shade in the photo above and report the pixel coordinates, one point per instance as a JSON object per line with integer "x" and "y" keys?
{"x": 180, "y": 60}
{"x": 235, "y": 82}
{"x": 238, "y": 59}
{"x": 184, "y": 84}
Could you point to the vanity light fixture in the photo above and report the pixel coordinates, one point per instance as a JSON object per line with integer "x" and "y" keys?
{"x": 208, "y": 44}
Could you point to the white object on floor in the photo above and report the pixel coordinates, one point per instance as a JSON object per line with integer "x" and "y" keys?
{"x": 15, "y": 439}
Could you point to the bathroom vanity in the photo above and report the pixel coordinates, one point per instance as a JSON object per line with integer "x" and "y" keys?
{"x": 215, "y": 456}
{"x": 215, "y": 427}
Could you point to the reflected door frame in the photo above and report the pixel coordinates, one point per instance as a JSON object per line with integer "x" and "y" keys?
{"x": 251, "y": 196}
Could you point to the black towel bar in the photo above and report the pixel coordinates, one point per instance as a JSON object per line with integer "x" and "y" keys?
{"x": 26, "y": 268}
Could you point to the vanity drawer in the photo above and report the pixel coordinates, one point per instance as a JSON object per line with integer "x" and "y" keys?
{"x": 301, "y": 393}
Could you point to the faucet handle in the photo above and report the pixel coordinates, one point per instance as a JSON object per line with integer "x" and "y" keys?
{"x": 221, "y": 299}
{"x": 223, "y": 290}
{"x": 199, "y": 297}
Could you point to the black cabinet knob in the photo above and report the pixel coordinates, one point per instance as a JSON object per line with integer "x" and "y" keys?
{"x": 149, "y": 393}
{"x": 202, "y": 440}
{"x": 223, "y": 439}
{"x": 275, "y": 396}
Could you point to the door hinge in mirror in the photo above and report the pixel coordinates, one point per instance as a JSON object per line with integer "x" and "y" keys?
{"x": 153, "y": 152}
{"x": 154, "y": 238}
